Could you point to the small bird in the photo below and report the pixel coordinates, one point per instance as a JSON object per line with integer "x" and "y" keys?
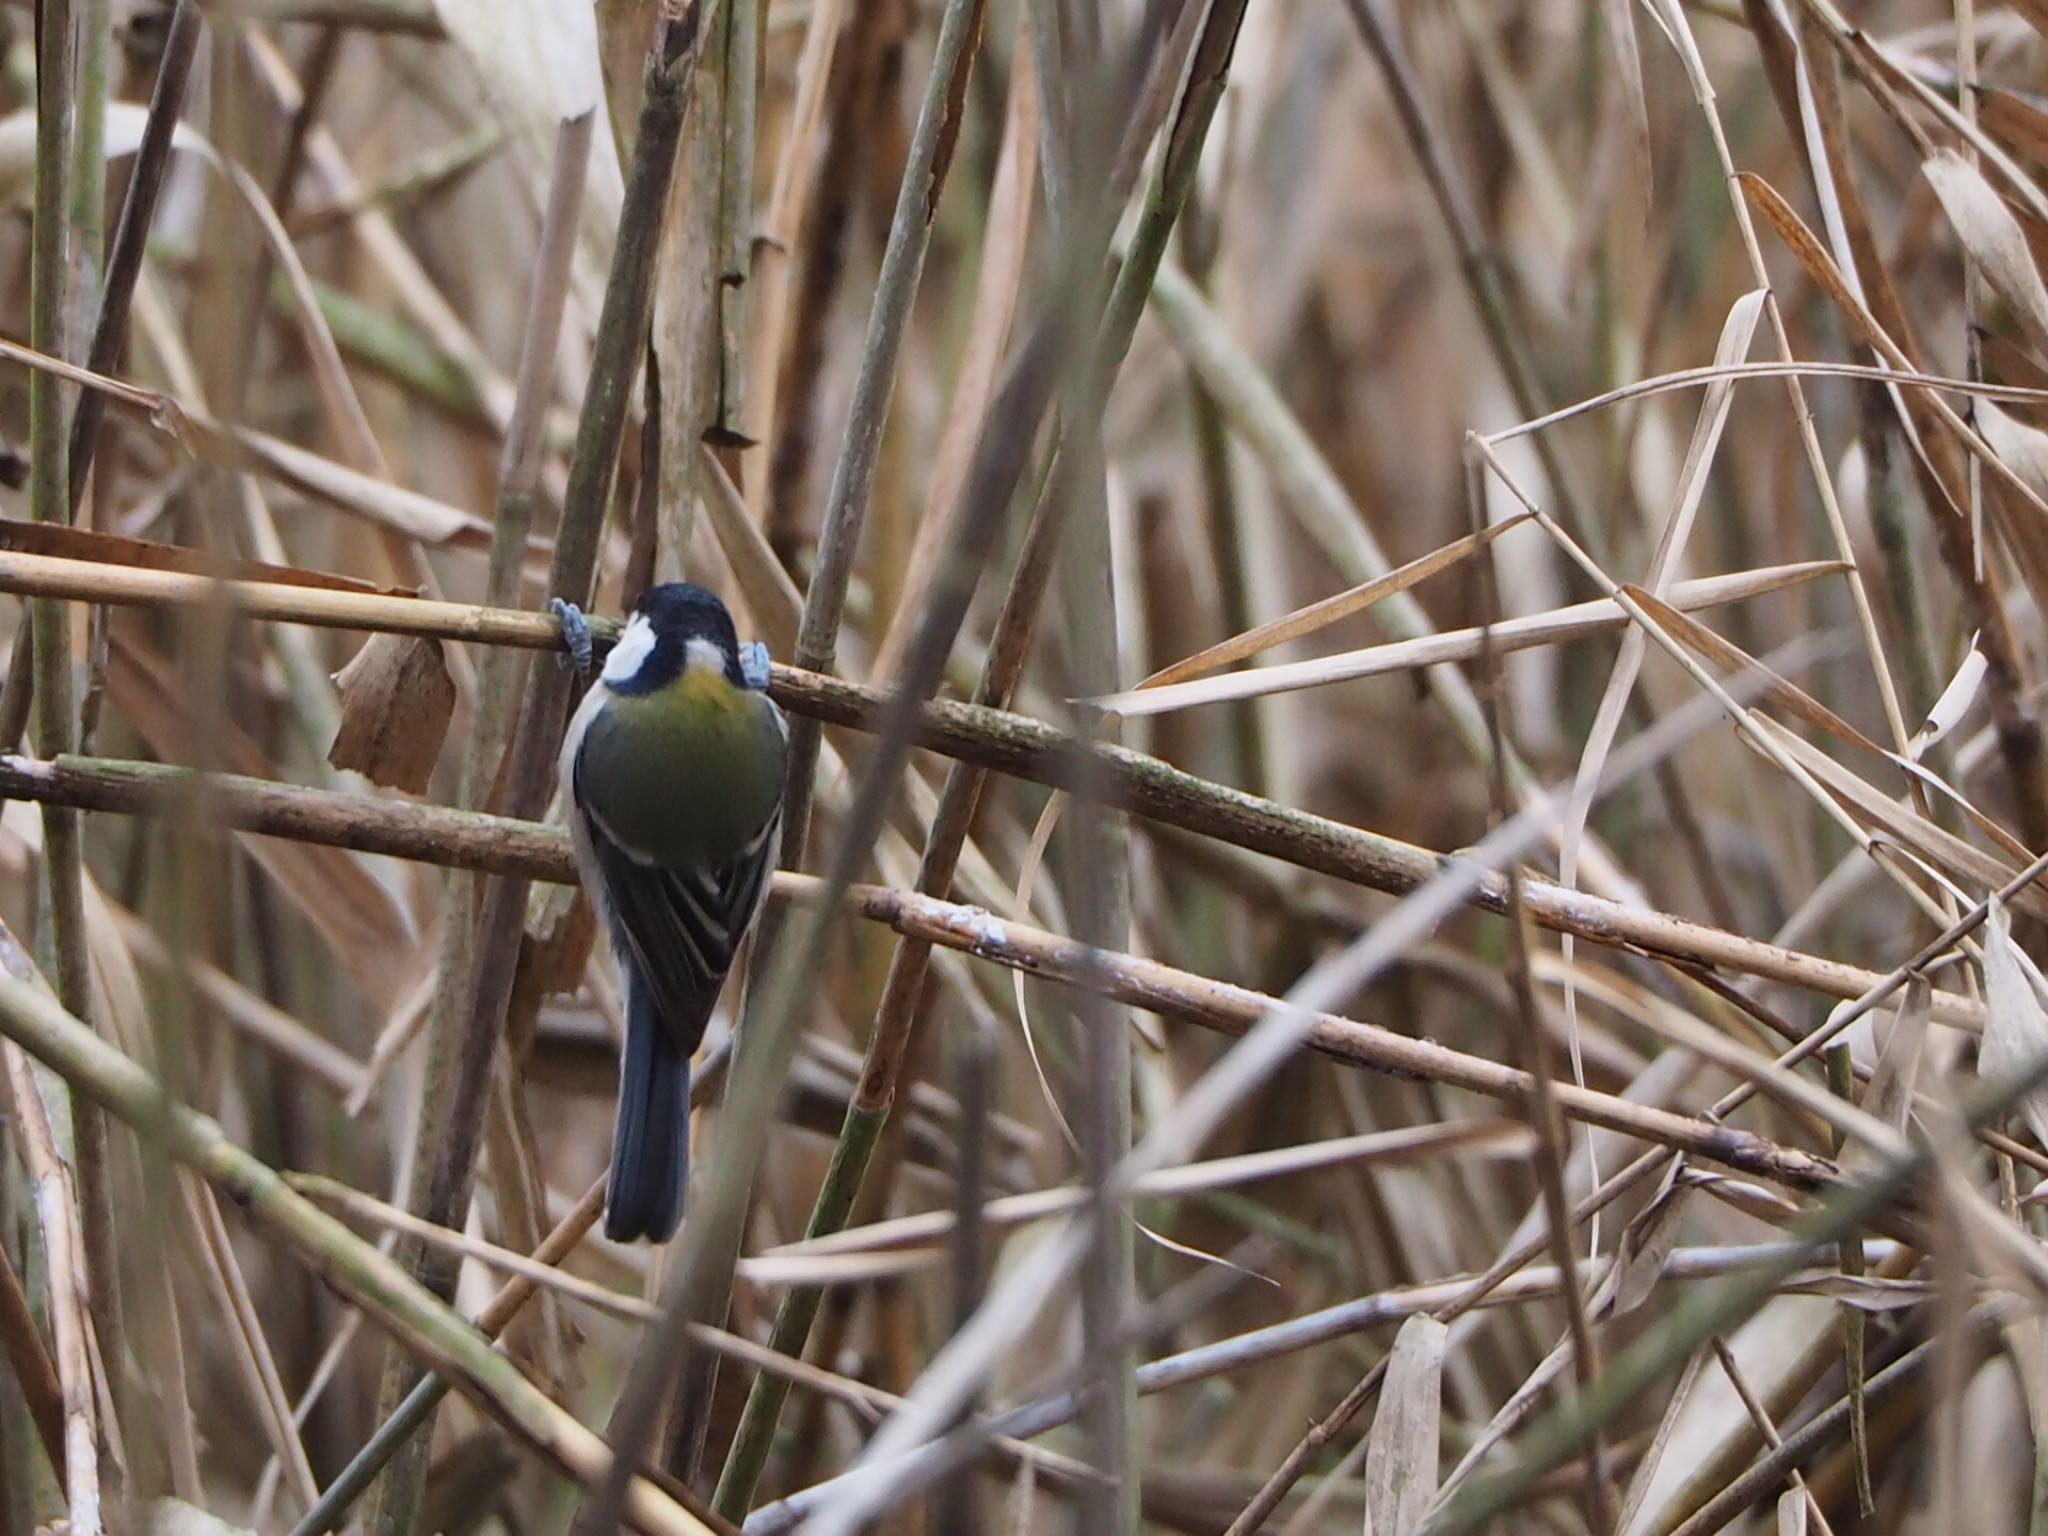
{"x": 672, "y": 770}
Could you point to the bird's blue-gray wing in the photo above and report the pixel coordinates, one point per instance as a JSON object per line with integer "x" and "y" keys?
{"x": 681, "y": 926}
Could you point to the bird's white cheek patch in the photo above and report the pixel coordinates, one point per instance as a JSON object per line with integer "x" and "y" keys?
{"x": 632, "y": 651}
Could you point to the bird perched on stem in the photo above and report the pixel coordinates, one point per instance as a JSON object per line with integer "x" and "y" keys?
{"x": 672, "y": 770}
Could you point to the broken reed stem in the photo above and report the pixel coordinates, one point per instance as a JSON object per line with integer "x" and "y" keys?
{"x": 839, "y": 538}
{"x": 421, "y": 1322}
{"x": 889, "y": 1043}
{"x": 446, "y": 1169}
{"x": 54, "y": 708}
{"x": 853, "y": 477}
{"x": 1532, "y": 1044}
{"x": 499, "y": 676}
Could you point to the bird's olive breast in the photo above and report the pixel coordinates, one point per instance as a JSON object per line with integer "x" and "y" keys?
{"x": 688, "y": 774}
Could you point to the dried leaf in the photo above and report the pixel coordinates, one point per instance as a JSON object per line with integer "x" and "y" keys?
{"x": 2020, "y": 124}
{"x": 1994, "y": 240}
{"x": 64, "y": 543}
{"x": 1792, "y": 1508}
{"x": 396, "y": 700}
{"x": 1646, "y": 1244}
{"x": 1316, "y": 616}
{"x": 1401, "y": 1464}
{"x": 1561, "y": 624}
{"x": 2015, "y": 1027}
{"x": 1903, "y": 826}
{"x": 1954, "y": 703}
{"x": 1890, "y": 1092}
{"x": 2024, "y": 448}
{"x": 1866, "y": 1293}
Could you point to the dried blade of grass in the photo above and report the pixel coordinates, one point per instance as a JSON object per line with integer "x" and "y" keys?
{"x": 1901, "y": 825}
{"x": 998, "y": 288}
{"x": 1432, "y": 651}
{"x": 1992, "y": 237}
{"x": 1495, "y": 1137}
{"x": 1646, "y": 1244}
{"x": 453, "y": 1122}
{"x": 87, "y": 545}
{"x": 1952, "y": 704}
{"x": 1803, "y": 706}
{"x": 249, "y": 1348}
{"x": 1319, "y": 615}
{"x": 1738, "y": 331}
{"x": 1400, "y": 1467}
{"x": 2015, "y": 1024}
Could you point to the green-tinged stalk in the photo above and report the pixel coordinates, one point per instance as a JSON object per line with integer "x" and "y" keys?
{"x": 55, "y": 716}
{"x": 846, "y": 507}
{"x": 895, "y": 1015}
{"x": 461, "y": 1057}
{"x": 498, "y": 671}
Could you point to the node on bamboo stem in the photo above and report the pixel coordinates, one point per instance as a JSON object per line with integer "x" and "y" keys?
{"x": 396, "y": 700}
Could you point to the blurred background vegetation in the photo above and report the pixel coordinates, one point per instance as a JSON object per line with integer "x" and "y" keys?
{"x": 1160, "y": 323}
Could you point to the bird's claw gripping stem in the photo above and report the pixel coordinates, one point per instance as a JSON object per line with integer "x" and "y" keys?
{"x": 575, "y": 633}
{"x": 755, "y": 666}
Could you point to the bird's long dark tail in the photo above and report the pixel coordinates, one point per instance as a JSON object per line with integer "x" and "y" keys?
{"x": 651, "y": 1141}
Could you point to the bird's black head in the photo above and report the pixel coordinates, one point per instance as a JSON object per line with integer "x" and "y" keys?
{"x": 675, "y": 626}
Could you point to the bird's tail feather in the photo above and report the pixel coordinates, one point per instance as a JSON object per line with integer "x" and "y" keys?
{"x": 651, "y": 1141}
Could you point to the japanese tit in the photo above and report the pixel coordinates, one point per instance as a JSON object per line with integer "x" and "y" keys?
{"x": 672, "y": 772}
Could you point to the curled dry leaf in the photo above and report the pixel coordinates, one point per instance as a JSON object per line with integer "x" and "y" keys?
{"x": 396, "y": 698}
{"x": 2015, "y": 1027}
{"x": 1896, "y": 1076}
{"x": 1401, "y": 1463}
{"x": 1647, "y": 1241}
{"x": 1994, "y": 240}
{"x": 1954, "y": 703}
